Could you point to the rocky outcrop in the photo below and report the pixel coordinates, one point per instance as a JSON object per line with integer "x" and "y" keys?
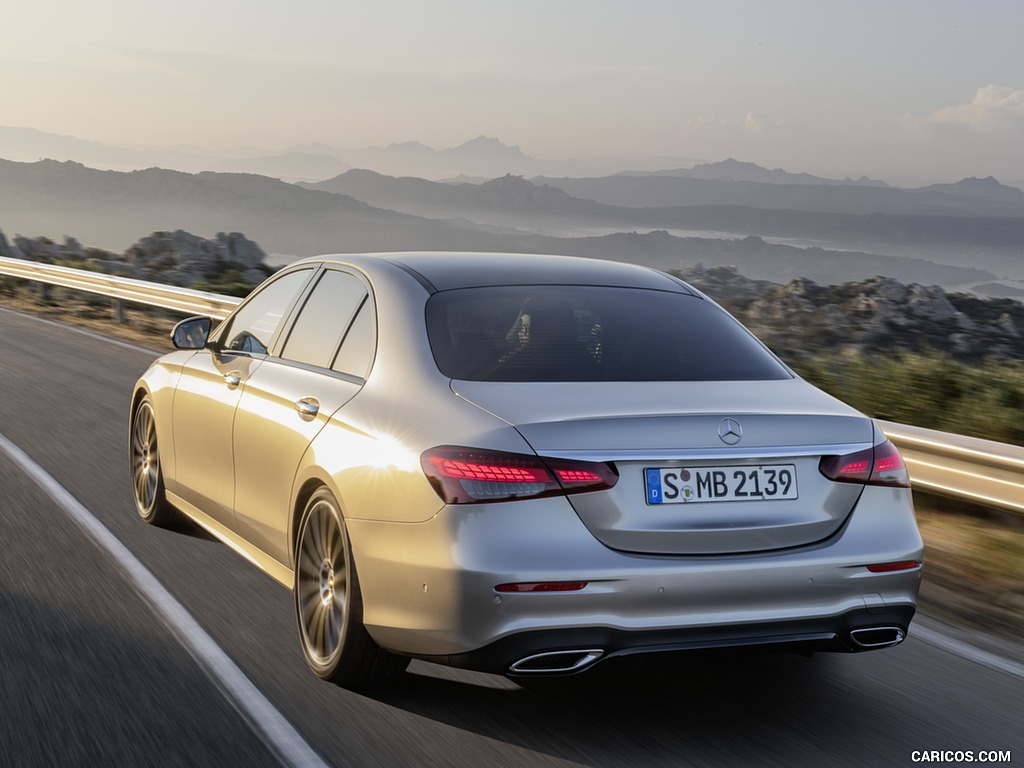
{"x": 181, "y": 258}
{"x": 876, "y": 315}
{"x": 45, "y": 250}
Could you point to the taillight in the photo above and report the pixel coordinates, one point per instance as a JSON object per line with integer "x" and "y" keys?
{"x": 474, "y": 476}
{"x": 880, "y": 465}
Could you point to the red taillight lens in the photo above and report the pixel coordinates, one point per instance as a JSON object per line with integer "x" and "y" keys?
{"x": 880, "y": 465}
{"x": 473, "y": 476}
{"x": 575, "y": 476}
{"x": 488, "y": 472}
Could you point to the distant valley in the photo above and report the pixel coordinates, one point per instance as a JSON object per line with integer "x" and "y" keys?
{"x": 771, "y": 224}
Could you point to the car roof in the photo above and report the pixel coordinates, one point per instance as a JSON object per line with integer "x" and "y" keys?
{"x": 442, "y": 271}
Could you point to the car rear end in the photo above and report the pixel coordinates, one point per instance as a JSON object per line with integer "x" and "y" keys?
{"x": 677, "y": 488}
{"x": 580, "y": 561}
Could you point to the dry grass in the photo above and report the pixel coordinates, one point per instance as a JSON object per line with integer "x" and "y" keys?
{"x": 147, "y": 327}
{"x": 974, "y": 566}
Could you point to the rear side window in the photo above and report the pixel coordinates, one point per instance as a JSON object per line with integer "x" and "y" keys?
{"x": 590, "y": 333}
{"x": 315, "y": 335}
{"x": 356, "y": 354}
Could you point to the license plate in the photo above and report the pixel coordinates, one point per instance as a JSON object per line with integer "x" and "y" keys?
{"x": 687, "y": 485}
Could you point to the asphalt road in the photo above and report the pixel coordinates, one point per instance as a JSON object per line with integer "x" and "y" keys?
{"x": 90, "y": 675}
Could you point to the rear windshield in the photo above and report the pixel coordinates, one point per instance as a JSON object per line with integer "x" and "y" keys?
{"x": 590, "y": 333}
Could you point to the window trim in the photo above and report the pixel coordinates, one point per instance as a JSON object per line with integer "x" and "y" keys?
{"x": 372, "y": 308}
{"x": 296, "y": 312}
{"x": 280, "y": 339}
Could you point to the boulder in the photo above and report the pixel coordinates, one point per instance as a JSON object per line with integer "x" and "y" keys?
{"x": 181, "y": 258}
{"x": 880, "y": 315}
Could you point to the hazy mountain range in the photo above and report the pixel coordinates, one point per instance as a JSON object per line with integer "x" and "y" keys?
{"x": 737, "y": 170}
{"x": 487, "y": 195}
{"x": 482, "y": 157}
{"x": 677, "y": 202}
{"x": 969, "y": 197}
{"x": 110, "y": 209}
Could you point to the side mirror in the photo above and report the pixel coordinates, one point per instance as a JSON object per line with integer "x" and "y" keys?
{"x": 191, "y": 333}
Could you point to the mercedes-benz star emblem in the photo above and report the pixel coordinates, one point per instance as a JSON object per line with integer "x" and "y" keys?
{"x": 730, "y": 431}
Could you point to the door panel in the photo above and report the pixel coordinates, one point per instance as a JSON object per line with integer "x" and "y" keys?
{"x": 212, "y": 382}
{"x": 204, "y": 410}
{"x": 273, "y": 428}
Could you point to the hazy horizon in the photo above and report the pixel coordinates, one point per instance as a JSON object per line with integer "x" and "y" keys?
{"x": 912, "y": 93}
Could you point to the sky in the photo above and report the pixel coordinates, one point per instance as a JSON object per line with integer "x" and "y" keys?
{"x": 905, "y": 91}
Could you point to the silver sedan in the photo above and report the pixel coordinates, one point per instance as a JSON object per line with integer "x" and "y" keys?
{"x": 526, "y": 465}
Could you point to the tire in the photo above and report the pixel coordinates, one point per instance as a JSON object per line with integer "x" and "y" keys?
{"x": 147, "y": 472}
{"x": 329, "y": 604}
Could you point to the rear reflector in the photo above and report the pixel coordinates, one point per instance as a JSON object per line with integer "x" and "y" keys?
{"x": 472, "y": 475}
{"x": 903, "y": 565}
{"x": 880, "y": 465}
{"x": 543, "y": 586}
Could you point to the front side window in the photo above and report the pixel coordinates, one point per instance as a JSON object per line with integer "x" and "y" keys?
{"x": 590, "y": 333}
{"x": 253, "y": 325}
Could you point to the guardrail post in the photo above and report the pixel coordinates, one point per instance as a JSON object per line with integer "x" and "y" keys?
{"x": 118, "y": 307}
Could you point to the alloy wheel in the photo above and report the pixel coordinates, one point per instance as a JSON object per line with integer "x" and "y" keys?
{"x": 322, "y": 583}
{"x": 145, "y": 460}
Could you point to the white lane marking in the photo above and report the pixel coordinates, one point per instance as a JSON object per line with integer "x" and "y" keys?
{"x": 965, "y": 651}
{"x": 279, "y": 735}
{"x": 90, "y": 334}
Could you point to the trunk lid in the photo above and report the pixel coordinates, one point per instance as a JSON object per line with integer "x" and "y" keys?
{"x": 747, "y": 451}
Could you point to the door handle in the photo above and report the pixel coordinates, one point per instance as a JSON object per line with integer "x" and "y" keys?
{"x": 232, "y": 379}
{"x": 308, "y": 407}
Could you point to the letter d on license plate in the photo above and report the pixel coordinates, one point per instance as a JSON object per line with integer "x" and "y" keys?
{"x": 682, "y": 485}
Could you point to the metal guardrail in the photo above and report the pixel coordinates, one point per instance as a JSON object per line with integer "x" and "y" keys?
{"x": 978, "y": 471}
{"x": 184, "y": 300}
{"x": 982, "y": 472}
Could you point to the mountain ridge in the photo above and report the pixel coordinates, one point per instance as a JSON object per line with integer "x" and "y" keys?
{"x": 109, "y": 207}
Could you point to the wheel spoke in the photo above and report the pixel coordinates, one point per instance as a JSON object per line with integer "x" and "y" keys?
{"x": 309, "y": 568}
{"x": 325, "y": 532}
{"x": 138, "y": 445}
{"x": 339, "y": 602}
{"x": 336, "y": 548}
{"x": 320, "y": 631}
{"x": 333, "y": 626}
{"x": 308, "y": 603}
{"x": 141, "y": 484}
{"x": 316, "y": 531}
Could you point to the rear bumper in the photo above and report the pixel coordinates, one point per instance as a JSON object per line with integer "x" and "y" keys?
{"x": 429, "y": 589}
{"x": 567, "y": 652}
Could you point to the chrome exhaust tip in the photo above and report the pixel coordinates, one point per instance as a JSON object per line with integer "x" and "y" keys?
{"x": 877, "y": 637}
{"x": 556, "y": 662}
